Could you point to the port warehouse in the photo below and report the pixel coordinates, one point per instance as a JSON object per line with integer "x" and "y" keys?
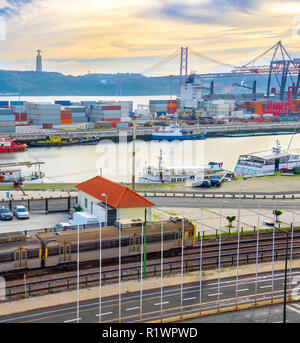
{"x": 108, "y": 114}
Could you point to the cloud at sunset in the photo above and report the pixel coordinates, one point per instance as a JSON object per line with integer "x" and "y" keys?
{"x": 120, "y": 36}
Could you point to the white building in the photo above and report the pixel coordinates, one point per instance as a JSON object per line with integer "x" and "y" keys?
{"x": 122, "y": 202}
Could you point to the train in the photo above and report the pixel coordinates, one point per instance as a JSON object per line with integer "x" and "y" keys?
{"x": 42, "y": 250}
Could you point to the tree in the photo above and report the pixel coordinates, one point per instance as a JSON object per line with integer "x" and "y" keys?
{"x": 277, "y": 213}
{"x": 231, "y": 220}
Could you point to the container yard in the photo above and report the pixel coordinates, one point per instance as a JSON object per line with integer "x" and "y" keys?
{"x": 7, "y": 121}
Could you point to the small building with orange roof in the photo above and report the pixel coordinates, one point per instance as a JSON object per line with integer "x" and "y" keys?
{"x": 122, "y": 202}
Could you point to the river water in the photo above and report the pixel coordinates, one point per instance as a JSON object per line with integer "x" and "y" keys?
{"x": 79, "y": 163}
{"x": 113, "y": 160}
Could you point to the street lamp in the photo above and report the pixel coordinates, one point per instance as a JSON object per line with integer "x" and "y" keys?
{"x": 285, "y": 272}
{"x": 238, "y": 249}
{"x": 104, "y": 195}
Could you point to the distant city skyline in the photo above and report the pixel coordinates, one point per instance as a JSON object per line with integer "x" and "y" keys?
{"x": 130, "y": 36}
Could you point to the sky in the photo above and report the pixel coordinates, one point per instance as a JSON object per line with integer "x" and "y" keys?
{"x": 103, "y": 36}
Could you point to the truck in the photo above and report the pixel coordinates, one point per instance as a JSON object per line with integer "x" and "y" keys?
{"x": 84, "y": 220}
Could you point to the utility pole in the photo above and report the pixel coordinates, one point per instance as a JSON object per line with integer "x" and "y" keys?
{"x": 133, "y": 118}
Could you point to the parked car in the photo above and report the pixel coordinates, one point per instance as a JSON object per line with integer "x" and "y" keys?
{"x": 5, "y": 214}
{"x": 21, "y": 212}
{"x": 216, "y": 182}
{"x": 62, "y": 227}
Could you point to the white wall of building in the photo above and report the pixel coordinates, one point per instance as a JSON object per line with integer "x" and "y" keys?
{"x": 89, "y": 204}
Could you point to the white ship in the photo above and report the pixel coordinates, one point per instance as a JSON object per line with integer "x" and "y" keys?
{"x": 162, "y": 174}
{"x": 21, "y": 172}
{"x": 260, "y": 164}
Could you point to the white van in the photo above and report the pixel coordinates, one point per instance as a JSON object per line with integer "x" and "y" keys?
{"x": 84, "y": 218}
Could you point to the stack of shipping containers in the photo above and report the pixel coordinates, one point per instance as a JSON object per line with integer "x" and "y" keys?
{"x": 40, "y": 113}
{"x": 78, "y": 113}
{"x": 172, "y": 106}
{"x": 158, "y": 107}
{"x": 19, "y": 110}
{"x": 7, "y": 121}
{"x": 66, "y": 117}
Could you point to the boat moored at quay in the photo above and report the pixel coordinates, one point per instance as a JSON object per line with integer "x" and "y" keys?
{"x": 10, "y": 145}
{"x": 261, "y": 164}
{"x": 174, "y": 132}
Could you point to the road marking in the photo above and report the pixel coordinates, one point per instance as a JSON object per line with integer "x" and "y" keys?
{"x": 72, "y": 320}
{"x": 189, "y": 299}
{"x": 242, "y": 290}
{"x": 103, "y": 314}
{"x": 293, "y": 309}
{"x": 296, "y": 305}
{"x": 266, "y": 286}
{"x": 211, "y": 295}
{"x": 133, "y": 308}
{"x": 166, "y": 302}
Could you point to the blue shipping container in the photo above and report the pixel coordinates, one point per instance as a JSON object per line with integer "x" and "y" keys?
{"x": 63, "y": 102}
{"x": 17, "y": 103}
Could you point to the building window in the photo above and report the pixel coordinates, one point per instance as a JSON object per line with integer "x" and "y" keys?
{"x": 85, "y": 202}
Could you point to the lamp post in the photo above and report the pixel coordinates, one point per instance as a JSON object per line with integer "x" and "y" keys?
{"x": 285, "y": 273}
{"x": 104, "y": 195}
{"x": 238, "y": 248}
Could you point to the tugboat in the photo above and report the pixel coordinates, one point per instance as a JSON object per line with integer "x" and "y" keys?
{"x": 173, "y": 132}
{"x": 10, "y": 145}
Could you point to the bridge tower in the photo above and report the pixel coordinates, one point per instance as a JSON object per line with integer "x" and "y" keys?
{"x": 183, "y": 66}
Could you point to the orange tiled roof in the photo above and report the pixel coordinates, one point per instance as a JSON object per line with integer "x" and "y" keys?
{"x": 117, "y": 195}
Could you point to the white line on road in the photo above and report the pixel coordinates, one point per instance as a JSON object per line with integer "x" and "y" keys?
{"x": 211, "y": 295}
{"x": 242, "y": 290}
{"x": 293, "y": 309}
{"x": 193, "y": 298}
{"x": 266, "y": 286}
{"x": 166, "y": 302}
{"x": 72, "y": 320}
{"x": 103, "y": 314}
{"x": 133, "y": 308}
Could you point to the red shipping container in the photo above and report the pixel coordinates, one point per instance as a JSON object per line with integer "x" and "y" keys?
{"x": 66, "y": 112}
{"x": 47, "y": 125}
{"x": 113, "y": 108}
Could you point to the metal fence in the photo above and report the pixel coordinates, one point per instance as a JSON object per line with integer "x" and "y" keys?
{"x": 42, "y": 204}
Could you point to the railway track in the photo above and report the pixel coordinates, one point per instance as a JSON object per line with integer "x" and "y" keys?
{"x": 38, "y": 282}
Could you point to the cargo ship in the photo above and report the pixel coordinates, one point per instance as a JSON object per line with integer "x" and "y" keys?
{"x": 174, "y": 132}
{"x": 58, "y": 141}
{"x": 10, "y": 145}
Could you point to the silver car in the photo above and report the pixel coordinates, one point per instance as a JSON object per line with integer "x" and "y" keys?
{"x": 21, "y": 212}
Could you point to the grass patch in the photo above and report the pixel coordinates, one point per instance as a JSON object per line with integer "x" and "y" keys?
{"x": 35, "y": 186}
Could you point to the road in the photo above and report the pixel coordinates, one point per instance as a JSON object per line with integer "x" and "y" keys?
{"x": 170, "y": 301}
{"x": 265, "y": 314}
{"x": 225, "y": 203}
